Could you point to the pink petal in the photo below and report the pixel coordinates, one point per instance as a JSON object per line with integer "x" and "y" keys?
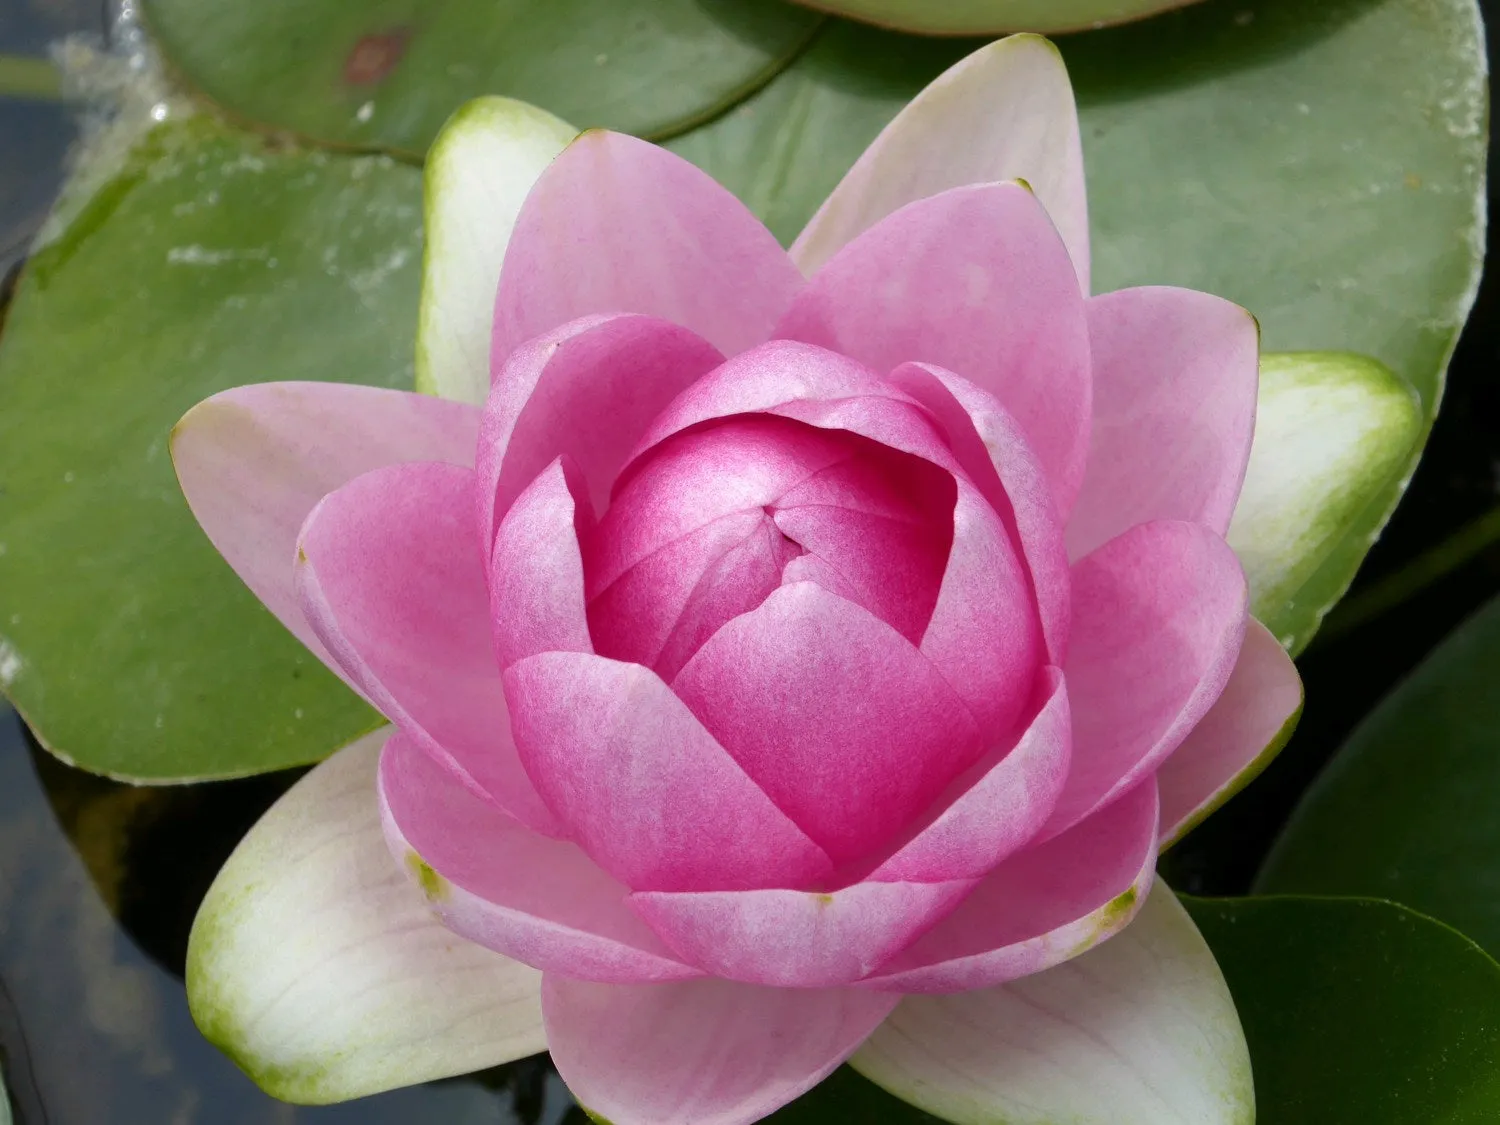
{"x": 996, "y": 806}
{"x": 646, "y": 790}
{"x": 390, "y": 576}
{"x": 837, "y": 717}
{"x": 1158, "y": 617}
{"x": 585, "y": 390}
{"x": 1236, "y": 739}
{"x": 705, "y": 1052}
{"x": 618, "y": 225}
{"x": 975, "y": 280}
{"x": 1040, "y": 907}
{"x": 989, "y": 446}
{"x": 810, "y": 384}
{"x": 494, "y": 882}
{"x": 1004, "y": 112}
{"x": 254, "y": 461}
{"x": 536, "y": 571}
{"x": 797, "y": 939}
{"x": 1175, "y": 375}
{"x": 983, "y": 635}
{"x": 661, "y": 610}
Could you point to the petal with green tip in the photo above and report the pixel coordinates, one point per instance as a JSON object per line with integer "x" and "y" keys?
{"x": 479, "y": 171}
{"x": 1005, "y": 112}
{"x": 1331, "y": 432}
{"x": 1140, "y": 1031}
{"x": 315, "y": 964}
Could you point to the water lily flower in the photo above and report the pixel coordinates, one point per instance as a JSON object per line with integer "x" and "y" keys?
{"x": 797, "y": 653}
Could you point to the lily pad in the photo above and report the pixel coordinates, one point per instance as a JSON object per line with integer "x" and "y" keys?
{"x": 1358, "y": 1010}
{"x": 1409, "y": 809}
{"x": 387, "y": 74}
{"x": 1321, "y": 164}
{"x": 203, "y": 259}
{"x": 978, "y": 17}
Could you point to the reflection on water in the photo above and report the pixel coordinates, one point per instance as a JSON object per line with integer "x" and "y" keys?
{"x": 98, "y": 885}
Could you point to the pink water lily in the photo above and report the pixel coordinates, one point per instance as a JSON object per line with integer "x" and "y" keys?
{"x": 787, "y": 633}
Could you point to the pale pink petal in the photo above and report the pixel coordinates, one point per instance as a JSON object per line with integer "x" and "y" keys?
{"x": 493, "y": 881}
{"x": 797, "y": 939}
{"x": 1158, "y": 617}
{"x": 254, "y": 461}
{"x": 644, "y": 787}
{"x": 536, "y": 571}
{"x": 389, "y": 574}
{"x": 837, "y": 717}
{"x": 975, "y": 280}
{"x": 989, "y": 446}
{"x": 1238, "y": 737}
{"x": 585, "y": 390}
{"x": 617, "y": 225}
{"x": 1040, "y": 907}
{"x": 996, "y": 806}
{"x": 1004, "y": 112}
{"x": 984, "y": 635}
{"x": 1175, "y": 376}
{"x": 704, "y": 1052}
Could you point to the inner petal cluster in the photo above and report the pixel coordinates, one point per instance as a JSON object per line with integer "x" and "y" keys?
{"x": 709, "y": 523}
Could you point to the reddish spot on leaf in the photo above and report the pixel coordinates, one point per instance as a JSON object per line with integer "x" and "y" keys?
{"x": 375, "y": 56}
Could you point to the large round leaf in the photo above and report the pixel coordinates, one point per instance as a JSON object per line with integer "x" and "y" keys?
{"x": 977, "y": 17}
{"x": 1358, "y": 1010}
{"x": 1321, "y": 164}
{"x": 204, "y": 260}
{"x": 1410, "y": 807}
{"x": 386, "y": 74}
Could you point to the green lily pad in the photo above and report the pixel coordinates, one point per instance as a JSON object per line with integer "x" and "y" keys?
{"x": 387, "y": 74}
{"x": 203, "y": 259}
{"x": 1358, "y": 1010}
{"x": 1409, "y": 809}
{"x": 1321, "y": 164}
{"x": 980, "y": 17}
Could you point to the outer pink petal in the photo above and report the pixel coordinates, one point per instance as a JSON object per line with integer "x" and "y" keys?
{"x": 619, "y": 225}
{"x": 977, "y": 281}
{"x": 1041, "y": 907}
{"x": 1005, "y": 112}
{"x": 707, "y": 1052}
{"x": 997, "y": 806}
{"x": 1236, "y": 739}
{"x": 536, "y": 572}
{"x": 585, "y": 390}
{"x": 1175, "y": 375}
{"x": 254, "y": 461}
{"x": 495, "y": 882}
{"x": 989, "y": 446}
{"x": 390, "y": 576}
{"x": 837, "y": 717}
{"x": 797, "y": 939}
{"x": 644, "y": 787}
{"x": 984, "y": 635}
{"x": 1158, "y": 617}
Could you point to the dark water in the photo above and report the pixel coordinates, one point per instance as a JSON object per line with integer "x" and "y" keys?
{"x": 99, "y": 881}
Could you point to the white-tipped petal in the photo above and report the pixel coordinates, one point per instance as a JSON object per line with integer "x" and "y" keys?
{"x": 1331, "y": 430}
{"x": 479, "y": 171}
{"x": 1138, "y": 1031}
{"x": 1006, "y": 112}
{"x": 315, "y": 964}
